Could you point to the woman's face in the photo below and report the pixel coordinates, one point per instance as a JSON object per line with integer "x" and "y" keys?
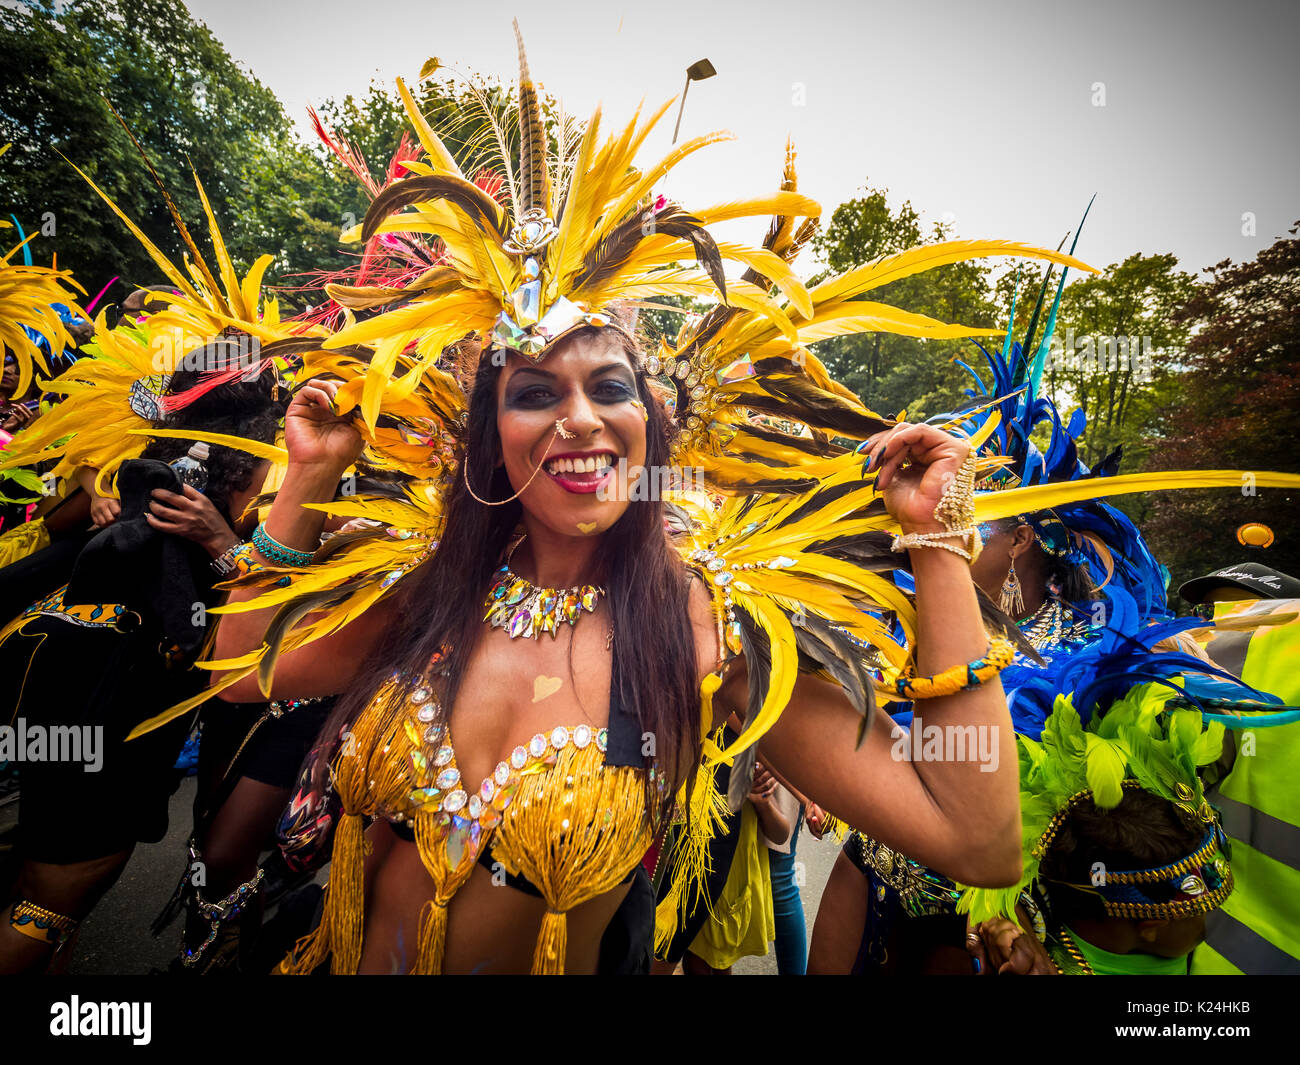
{"x": 9, "y": 379}
{"x": 588, "y": 381}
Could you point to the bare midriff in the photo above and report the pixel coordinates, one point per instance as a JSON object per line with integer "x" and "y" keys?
{"x": 491, "y": 927}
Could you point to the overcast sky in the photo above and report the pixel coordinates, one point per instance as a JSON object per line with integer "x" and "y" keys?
{"x": 1002, "y": 116}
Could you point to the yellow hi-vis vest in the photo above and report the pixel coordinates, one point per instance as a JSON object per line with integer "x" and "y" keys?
{"x": 1257, "y": 930}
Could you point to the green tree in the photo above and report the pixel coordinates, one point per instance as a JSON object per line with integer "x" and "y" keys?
{"x": 1118, "y": 351}
{"x": 892, "y": 372}
{"x": 188, "y": 103}
{"x": 1234, "y": 408}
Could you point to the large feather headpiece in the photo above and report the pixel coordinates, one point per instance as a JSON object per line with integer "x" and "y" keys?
{"x": 30, "y": 321}
{"x": 1139, "y": 742}
{"x": 578, "y": 234}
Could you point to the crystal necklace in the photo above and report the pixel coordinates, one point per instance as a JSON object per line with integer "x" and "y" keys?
{"x": 1048, "y": 626}
{"x": 523, "y": 609}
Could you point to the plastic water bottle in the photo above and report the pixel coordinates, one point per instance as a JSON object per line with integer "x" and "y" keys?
{"x": 191, "y": 468}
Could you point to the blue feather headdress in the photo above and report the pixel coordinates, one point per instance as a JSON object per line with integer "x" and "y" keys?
{"x": 1091, "y": 533}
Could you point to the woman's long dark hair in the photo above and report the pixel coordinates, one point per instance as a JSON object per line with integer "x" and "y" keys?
{"x": 645, "y": 581}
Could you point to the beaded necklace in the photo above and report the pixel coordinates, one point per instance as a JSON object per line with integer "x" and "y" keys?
{"x": 522, "y": 609}
{"x": 1046, "y": 628}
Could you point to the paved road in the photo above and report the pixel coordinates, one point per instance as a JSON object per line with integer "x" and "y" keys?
{"x": 817, "y": 857}
{"x": 115, "y": 938}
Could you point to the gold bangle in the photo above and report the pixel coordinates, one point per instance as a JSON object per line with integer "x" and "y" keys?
{"x": 970, "y": 536}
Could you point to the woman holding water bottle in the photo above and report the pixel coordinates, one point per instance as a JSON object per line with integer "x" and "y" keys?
{"x": 112, "y": 648}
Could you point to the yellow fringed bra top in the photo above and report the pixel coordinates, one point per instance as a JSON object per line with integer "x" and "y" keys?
{"x": 553, "y": 812}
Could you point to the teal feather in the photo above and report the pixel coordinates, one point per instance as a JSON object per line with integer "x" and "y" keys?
{"x": 1040, "y": 356}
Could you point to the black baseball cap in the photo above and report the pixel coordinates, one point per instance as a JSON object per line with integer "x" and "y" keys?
{"x": 1262, "y": 581}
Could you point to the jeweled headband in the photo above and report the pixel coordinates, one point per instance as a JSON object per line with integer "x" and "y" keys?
{"x": 1189, "y": 886}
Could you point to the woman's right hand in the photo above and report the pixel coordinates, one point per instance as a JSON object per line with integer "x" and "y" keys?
{"x": 814, "y": 817}
{"x": 314, "y": 434}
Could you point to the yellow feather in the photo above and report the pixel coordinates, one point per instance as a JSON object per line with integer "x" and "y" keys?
{"x": 891, "y": 268}
{"x": 234, "y": 294}
{"x": 256, "y": 448}
{"x": 429, "y": 140}
{"x": 1014, "y": 501}
{"x": 787, "y": 204}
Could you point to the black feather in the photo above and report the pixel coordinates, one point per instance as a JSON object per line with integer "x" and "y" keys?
{"x": 471, "y": 199}
{"x": 869, "y": 551}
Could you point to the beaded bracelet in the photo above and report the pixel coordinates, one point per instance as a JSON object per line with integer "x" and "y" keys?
{"x": 959, "y": 678}
{"x": 240, "y": 559}
{"x": 228, "y": 559}
{"x": 970, "y": 535}
{"x": 277, "y": 552}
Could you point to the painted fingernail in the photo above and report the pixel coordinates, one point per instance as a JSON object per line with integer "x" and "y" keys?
{"x": 976, "y": 963}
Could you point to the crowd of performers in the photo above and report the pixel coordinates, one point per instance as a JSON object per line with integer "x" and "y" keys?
{"x": 679, "y": 600}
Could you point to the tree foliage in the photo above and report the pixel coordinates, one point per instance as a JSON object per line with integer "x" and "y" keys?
{"x": 190, "y": 104}
{"x": 891, "y": 372}
{"x": 1234, "y": 407}
{"x": 1118, "y": 348}
{"x": 186, "y": 101}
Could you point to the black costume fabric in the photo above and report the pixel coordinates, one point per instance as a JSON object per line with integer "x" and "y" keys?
{"x": 103, "y": 680}
{"x": 152, "y": 572}
{"x": 24, "y": 582}
{"x": 103, "y": 683}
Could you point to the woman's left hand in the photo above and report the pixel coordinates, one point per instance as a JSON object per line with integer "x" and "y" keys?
{"x": 912, "y": 491}
{"x": 192, "y": 516}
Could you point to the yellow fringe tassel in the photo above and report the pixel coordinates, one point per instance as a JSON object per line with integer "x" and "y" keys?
{"x": 431, "y": 843}
{"x": 574, "y": 832}
{"x": 345, "y": 904}
{"x": 431, "y": 946}
{"x": 310, "y": 952}
{"x": 706, "y": 812}
{"x": 552, "y": 945}
{"x": 339, "y": 936}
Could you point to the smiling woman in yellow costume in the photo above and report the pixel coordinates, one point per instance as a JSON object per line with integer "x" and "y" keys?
{"x": 531, "y": 668}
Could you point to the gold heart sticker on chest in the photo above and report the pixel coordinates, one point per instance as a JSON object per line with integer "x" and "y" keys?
{"x": 544, "y": 687}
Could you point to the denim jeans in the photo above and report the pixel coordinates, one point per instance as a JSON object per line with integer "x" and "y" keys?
{"x": 791, "y": 932}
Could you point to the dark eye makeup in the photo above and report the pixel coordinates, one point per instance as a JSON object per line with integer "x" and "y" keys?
{"x": 533, "y": 395}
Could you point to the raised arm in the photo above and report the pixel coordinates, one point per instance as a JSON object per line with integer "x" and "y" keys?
{"x": 321, "y": 447}
{"x": 961, "y": 816}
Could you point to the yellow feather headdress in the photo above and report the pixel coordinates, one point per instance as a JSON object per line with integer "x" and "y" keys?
{"x": 577, "y": 235}
{"x": 27, "y": 296}
{"x": 114, "y": 397}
